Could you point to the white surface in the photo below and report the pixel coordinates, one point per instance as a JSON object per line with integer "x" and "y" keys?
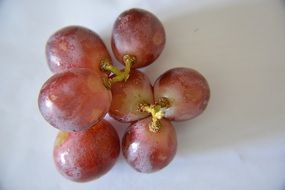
{"x": 237, "y": 144}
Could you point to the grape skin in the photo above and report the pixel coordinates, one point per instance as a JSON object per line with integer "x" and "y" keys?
{"x": 76, "y": 47}
{"x": 127, "y": 95}
{"x": 186, "y": 89}
{"x": 86, "y": 155}
{"x": 139, "y": 33}
{"x": 74, "y": 100}
{"x": 147, "y": 151}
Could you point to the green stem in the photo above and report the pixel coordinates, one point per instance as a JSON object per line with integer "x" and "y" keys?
{"x": 157, "y": 112}
{"x": 123, "y": 75}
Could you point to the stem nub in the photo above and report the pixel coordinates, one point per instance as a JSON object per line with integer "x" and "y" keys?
{"x": 157, "y": 112}
{"x": 119, "y": 76}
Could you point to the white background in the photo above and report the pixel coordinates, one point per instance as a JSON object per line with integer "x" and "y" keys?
{"x": 238, "y": 143}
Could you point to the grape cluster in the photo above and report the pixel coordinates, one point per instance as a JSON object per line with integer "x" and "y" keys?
{"x": 86, "y": 86}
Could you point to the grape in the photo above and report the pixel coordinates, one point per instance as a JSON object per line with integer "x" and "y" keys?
{"x": 74, "y": 100}
{"x": 86, "y": 155}
{"x": 147, "y": 151}
{"x": 127, "y": 95}
{"x": 75, "y": 47}
{"x": 139, "y": 33}
{"x": 187, "y": 91}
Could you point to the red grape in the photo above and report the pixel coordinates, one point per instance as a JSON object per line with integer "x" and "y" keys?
{"x": 75, "y": 47}
{"x": 86, "y": 155}
{"x": 127, "y": 95}
{"x": 74, "y": 100}
{"x": 187, "y": 91}
{"x": 147, "y": 151}
{"x": 139, "y": 33}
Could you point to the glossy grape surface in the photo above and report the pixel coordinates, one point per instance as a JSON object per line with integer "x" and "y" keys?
{"x": 75, "y": 47}
{"x": 186, "y": 89}
{"x": 127, "y": 95}
{"x": 86, "y": 155}
{"x": 147, "y": 151}
{"x": 139, "y": 33}
{"x": 74, "y": 100}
